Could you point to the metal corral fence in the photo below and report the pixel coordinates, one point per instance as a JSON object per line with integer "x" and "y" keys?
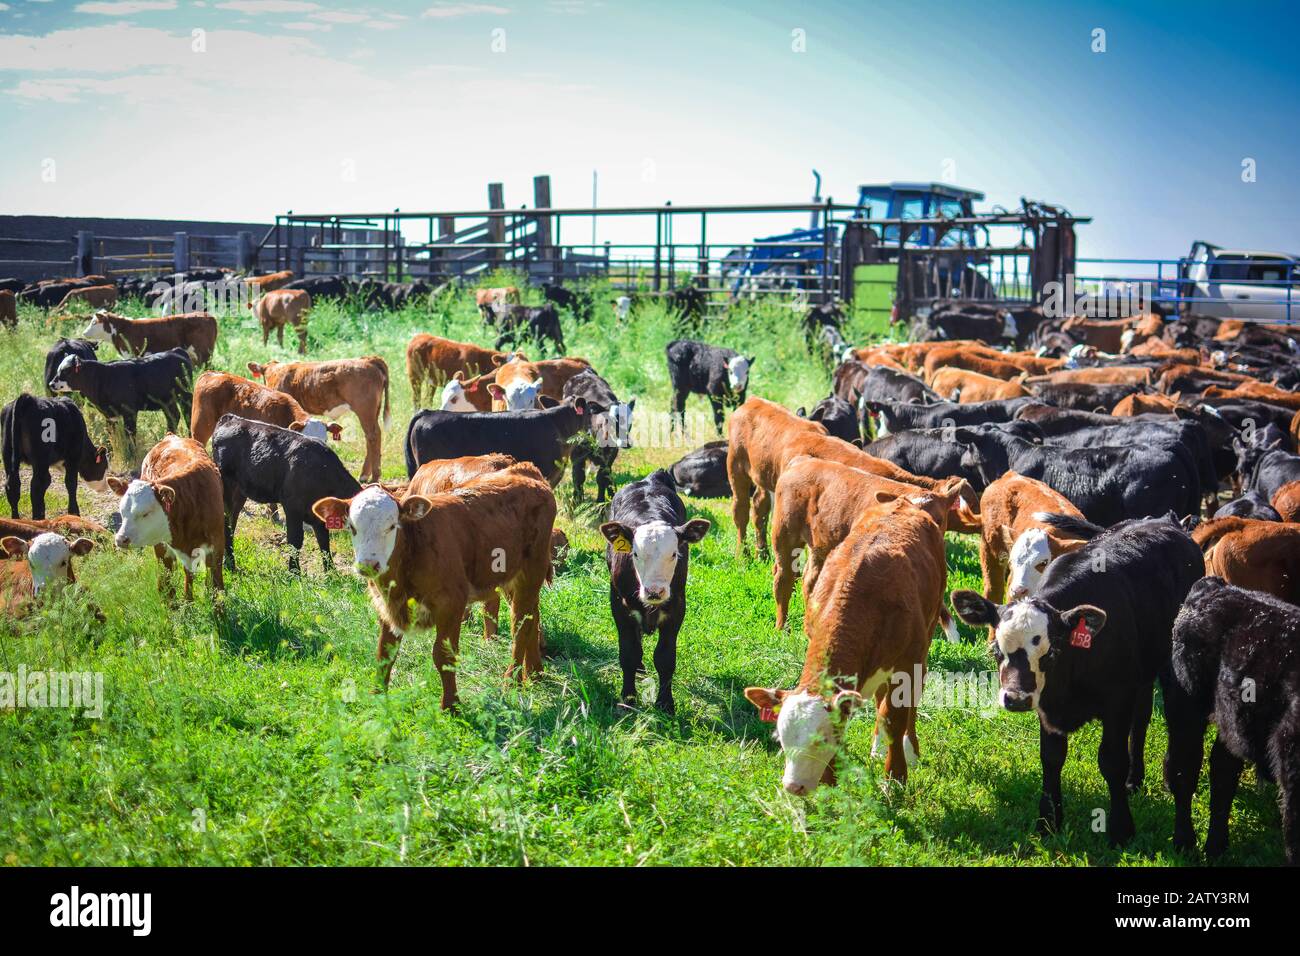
{"x": 999, "y": 256}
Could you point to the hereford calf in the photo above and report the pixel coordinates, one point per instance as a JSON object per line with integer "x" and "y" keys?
{"x": 1018, "y": 540}
{"x": 446, "y": 475}
{"x": 283, "y": 307}
{"x": 485, "y": 299}
{"x": 196, "y": 332}
{"x": 43, "y": 432}
{"x": 276, "y": 466}
{"x": 972, "y": 360}
{"x": 869, "y": 621}
{"x": 1104, "y": 334}
{"x": 817, "y": 503}
{"x": 94, "y": 296}
{"x": 516, "y": 381}
{"x": 175, "y": 508}
{"x": 1260, "y": 555}
{"x": 335, "y": 388}
{"x": 1089, "y": 646}
{"x": 964, "y": 386}
{"x": 426, "y": 559}
{"x": 437, "y": 360}
{"x": 1228, "y": 641}
{"x": 648, "y": 557}
{"x": 218, "y": 393}
{"x": 468, "y": 394}
{"x": 41, "y": 565}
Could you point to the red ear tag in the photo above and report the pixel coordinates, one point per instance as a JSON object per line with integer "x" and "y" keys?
{"x": 334, "y": 523}
{"x": 767, "y": 715}
{"x": 1081, "y": 636}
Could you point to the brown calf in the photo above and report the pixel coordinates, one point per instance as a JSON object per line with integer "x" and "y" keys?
{"x": 31, "y": 566}
{"x": 269, "y": 282}
{"x": 1259, "y": 555}
{"x": 1099, "y": 375}
{"x": 763, "y": 437}
{"x": 427, "y": 558}
{"x": 28, "y": 528}
{"x": 554, "y": 373}
{"x": 334, "y": 388}
{"x": 972, "y": 359}
{"x": 1104, "y": 334}
{"x": 444, "y": 475}
{"x": 219, "y": 393}
{"x": 94, "y": 296}
{"x": 175, "y": 507}
{"x": 485, "y": 299}
{"x": 1257, "y": 392}
{"x": 195, "y": 332}
{"x": 1286, "y": 501}
{"x": 1014, "y": 541}
{"x": 869, "y": 621}
{"x": 974, "y": 387}
{"x": 437, "y": 360}
{"x": 816, "y": 503}
{"x": 1138, "y": 404}
{"x": 283, "y": 307}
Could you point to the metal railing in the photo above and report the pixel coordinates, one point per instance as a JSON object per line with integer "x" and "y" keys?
{"x": 1170, "y": 284}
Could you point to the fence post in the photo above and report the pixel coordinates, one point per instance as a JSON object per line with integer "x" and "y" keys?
{"x": 244, "y": 254}
{"x": 181, "y": 252}
{"x": 496, "y": 224}
{"x": 545, "y": 241}
{"x": 85, "y": 261}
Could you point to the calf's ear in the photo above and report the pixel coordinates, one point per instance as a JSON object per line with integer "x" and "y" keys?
{"x": 617, "y": 534}
{"x": 764, "y": 698}
{"x": 81, "y": 547}
{"x": 846, "y": 702}
{"x": 414, "y": 507}
{"x": 166, "y": 496}
{"x": 1093, "y": 618}
{"x": 974, "y": 608}
{"x": 332, "y": 511}
{"x": 336, "y": 430}
{"x": 496, "y": 391}
{"x": 13, "y": 547}
{"x": 297, "y": 426}
{"x": 118, "y": 485}
{"x": 694, "y": 530}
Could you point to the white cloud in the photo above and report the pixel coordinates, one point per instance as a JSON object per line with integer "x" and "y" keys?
{"x": 381, "y": 25}
{"x": 153, "y": 67}
{"x": 446, "y": 10}
{"x": 125, "y": 8}
{"x": 268, "y": 6}
{"x": 307, "y": 26}
{"x": 339, "y": 16}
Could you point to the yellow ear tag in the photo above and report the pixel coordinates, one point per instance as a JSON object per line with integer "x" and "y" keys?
{"x": 622, "y": 544}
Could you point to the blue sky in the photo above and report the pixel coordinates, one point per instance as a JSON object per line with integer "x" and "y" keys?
{"x": 280, "y": 104}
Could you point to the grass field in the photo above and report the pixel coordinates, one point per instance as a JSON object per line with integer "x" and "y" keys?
{"x": 254, "y": 739}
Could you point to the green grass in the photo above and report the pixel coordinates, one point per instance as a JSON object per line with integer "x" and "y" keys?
{"x": 255, "y": 738}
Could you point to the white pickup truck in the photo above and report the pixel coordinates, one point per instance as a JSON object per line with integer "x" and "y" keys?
{"x": 1241, "y": 284}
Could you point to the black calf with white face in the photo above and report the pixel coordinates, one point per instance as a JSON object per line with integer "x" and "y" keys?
{"x": 1030, "y": 637}
{"x": 648, "y": 557}
{"x": 1089, "y": 645}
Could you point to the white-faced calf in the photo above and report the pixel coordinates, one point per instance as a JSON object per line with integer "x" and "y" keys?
{"x": 648, "y": 556}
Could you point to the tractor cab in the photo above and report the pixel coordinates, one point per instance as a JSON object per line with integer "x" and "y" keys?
{"x": 919, "y": 201}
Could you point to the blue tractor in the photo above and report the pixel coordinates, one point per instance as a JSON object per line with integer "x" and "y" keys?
{"x": 794, "y": 260}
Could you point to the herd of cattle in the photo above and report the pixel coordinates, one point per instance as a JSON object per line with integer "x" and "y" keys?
{"x": 1089, "y": 458}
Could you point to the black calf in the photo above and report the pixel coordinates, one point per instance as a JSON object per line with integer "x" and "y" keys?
{"x": 1090, "y": 646}
{"x": 273, "y": 465}
{"x": 42, "y": 432}
{"x": 648, "y": 556}
{"x": 703, "y": 472}
{"x": 1234, "y": 665}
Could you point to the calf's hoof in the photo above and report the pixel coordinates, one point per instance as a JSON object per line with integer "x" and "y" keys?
{"x": 1121, "y": 831}
{"x": 1216, "y": 844}
{"x": 665, "y": 705}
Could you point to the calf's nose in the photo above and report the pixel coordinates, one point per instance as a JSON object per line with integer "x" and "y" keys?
{"x": 797, "y": 789}
{"x": 1015, "y": 700}
{"x": 122, "y": 540}
{"x": 1019, "y": 592}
